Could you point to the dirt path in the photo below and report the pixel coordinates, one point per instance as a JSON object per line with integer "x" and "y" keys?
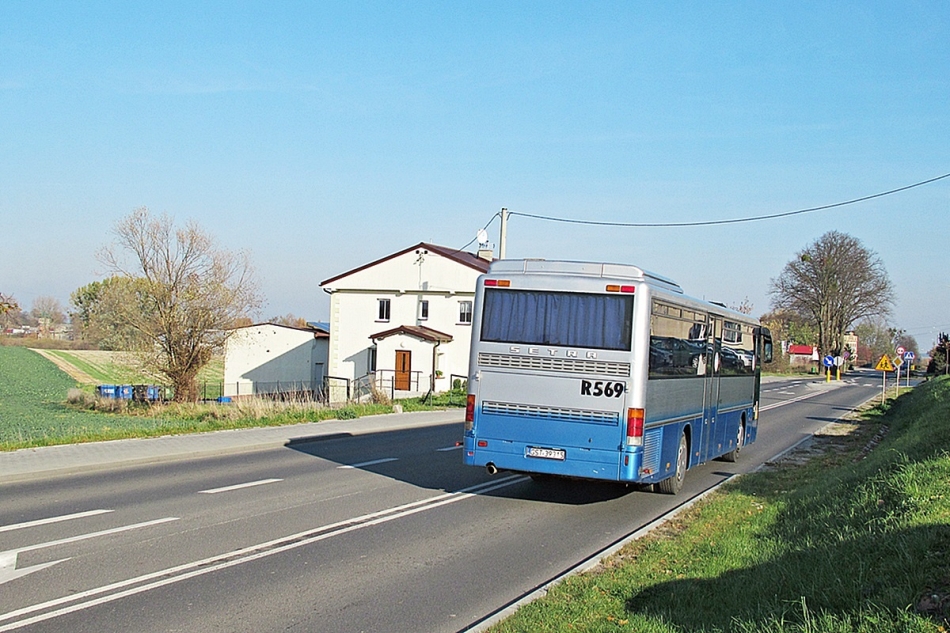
{"x": 77, "y": 374}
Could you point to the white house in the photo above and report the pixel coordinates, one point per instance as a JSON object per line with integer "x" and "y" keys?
{"x": 404, "y": 321}
{"x": 272, "y": 358}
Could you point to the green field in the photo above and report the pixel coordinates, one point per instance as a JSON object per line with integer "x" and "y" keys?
{"x": 32, "y": 410}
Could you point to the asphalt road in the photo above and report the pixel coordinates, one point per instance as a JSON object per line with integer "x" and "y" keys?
{"x": 380, "y": 532}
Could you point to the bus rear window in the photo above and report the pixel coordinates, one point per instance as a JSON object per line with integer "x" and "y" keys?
{"x": 529, "y": 317}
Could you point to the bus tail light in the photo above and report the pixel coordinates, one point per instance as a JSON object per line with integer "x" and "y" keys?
{"x": 635, "y": 427}
{"x": 470, "y": 412}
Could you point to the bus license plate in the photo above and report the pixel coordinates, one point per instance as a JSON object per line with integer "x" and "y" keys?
{"x": 546, "y": 453}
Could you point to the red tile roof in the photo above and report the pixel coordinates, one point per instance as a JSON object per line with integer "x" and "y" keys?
{"x": 462, "y": 257}
{"x": 801, "y": 349}
{"x": 419, "y": 331}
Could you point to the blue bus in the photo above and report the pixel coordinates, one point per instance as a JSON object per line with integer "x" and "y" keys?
{"x": 606, "y": 372}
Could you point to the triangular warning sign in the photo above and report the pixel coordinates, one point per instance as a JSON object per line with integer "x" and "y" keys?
{"x": 885, "y": 364}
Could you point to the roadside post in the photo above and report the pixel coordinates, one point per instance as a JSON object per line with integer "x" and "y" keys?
{"x": 909, "y": 356}
{"x": 838, "y": 363}
{"x": 897, "y": 363}
{"x": 829, "y": 362}
{"x": 884, "y": 365}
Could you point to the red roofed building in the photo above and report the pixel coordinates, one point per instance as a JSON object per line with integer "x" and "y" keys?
{"x": 802, "y": 355}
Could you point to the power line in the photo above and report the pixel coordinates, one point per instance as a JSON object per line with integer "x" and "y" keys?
{"x": 733, "y": 221}
{"x": 476, "y": 234}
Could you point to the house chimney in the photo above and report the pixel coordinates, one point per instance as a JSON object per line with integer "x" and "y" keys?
{"x": 486, "y": 253}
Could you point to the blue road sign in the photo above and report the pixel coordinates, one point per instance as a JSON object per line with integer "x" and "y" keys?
{"x": 908, "y": 355}
{"x": 828, "y": 361}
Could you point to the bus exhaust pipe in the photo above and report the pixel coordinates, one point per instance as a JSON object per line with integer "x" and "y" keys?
{"x": 491, "y": 468}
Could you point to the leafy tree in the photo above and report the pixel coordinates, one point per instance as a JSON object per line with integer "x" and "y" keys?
{"x": 789, "y": 326}
{"x": 903, "y": 339}
{"x": 833, "y": 284}
{"x": 939, "y": 355}
{"x": 182, "y": 295}
{"x": 876, "y": 336}
{"x": 97, "y": 317}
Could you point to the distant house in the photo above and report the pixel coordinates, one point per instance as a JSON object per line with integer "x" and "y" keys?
{"x": 802, "y": 354}
{"x": 268, "y": 358}
{"x": 852, "y": 348}
{"x": 402, "y": 323}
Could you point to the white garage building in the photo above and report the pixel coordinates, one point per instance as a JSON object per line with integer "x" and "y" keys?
{"x": 268, "y": 358}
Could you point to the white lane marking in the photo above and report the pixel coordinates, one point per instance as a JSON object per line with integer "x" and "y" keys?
{"x": 786, "y": 393}
{"x": 776, "y": 405}
{"x": 249, "y": 484}
{"x": 371, "y": 463}
{"x": 8, "y": 570}
{"x": 65, "y": 517}
{"x": 12, "y": 573}
{"x": 83, "y": 537}
{"x": 245, "y": 555}
{"x": 450, "y": 448}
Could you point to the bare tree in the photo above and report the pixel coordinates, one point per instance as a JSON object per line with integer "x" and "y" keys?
{"x": 7, "y": 304}
{"x": 288, "y": 319}
{"x": 834, "y": 283}
{"x": 745, "y": 306}
{"x": 186, "y": 293}
{"x": 48, "y": 312}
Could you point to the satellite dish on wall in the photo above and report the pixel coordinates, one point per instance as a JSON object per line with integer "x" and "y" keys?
{"x": 482, "y": 236}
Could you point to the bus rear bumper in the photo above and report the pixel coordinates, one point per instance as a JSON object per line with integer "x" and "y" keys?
{"x": 582, "y": 463}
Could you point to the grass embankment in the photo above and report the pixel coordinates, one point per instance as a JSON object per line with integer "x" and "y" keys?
{"x": 854, "y": 536}
{"x": 34, "y": 412}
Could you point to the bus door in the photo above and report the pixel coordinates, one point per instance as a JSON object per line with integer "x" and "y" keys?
{"x": 711, "y": 431}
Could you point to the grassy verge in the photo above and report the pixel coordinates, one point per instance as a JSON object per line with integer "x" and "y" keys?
{"x": 851, "y": 536}
{"x": 34, "y": 411}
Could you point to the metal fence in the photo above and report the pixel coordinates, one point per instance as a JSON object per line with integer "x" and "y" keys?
{"x": 331, "y": 389}
{"x": 278, "y": 390}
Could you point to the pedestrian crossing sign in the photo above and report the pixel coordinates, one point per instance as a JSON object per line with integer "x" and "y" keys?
{"x": 885, "y": 364}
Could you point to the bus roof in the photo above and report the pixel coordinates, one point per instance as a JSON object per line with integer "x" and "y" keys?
{"x": 588, "y": 269}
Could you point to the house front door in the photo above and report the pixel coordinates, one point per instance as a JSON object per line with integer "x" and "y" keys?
{"x": 403, "y": 369}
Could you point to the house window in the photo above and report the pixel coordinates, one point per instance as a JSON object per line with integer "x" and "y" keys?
{"x": 424, "y": 310}
{"x": 383, "y": 310}
{"x": 371, "y": 359}
{"x": 465, "y": 312}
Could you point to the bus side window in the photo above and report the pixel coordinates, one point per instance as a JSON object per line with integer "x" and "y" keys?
{"x": 677, "y": 342}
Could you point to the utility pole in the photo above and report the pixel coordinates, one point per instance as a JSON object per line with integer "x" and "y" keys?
{"x": 503, "y": 237}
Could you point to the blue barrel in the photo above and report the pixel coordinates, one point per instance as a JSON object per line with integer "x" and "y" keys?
{"x": 106, "y": 391}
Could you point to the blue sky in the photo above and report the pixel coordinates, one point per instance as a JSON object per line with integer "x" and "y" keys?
{"x": 321, "y": 136}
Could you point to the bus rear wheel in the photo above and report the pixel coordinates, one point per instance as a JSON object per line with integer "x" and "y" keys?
{"x": 733, "y": 455}
{"x": 674, "y": 484}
